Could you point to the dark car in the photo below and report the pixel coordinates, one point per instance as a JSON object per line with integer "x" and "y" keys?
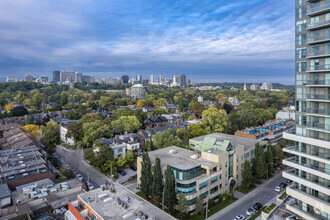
{"x": 283, "y": 185}
{"x": 122, "y": 172}
{"x": 133, "y": 168}
{"x": 288, "y": 181}
{"x": 257, "y": 206}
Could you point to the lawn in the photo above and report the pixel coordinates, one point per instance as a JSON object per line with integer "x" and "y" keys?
{"x": 214, "y": 209}
{"x": 256, "y": 215}
{"x": 242, "y": 189}
{"x": 270, "y": 208}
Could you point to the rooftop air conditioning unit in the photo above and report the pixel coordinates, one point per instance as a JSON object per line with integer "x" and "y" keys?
{"x": 195, "y": 156}
{"x": 172, "y": 151}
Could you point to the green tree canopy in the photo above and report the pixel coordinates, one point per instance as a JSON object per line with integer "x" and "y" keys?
{"x": 215, "y": 120}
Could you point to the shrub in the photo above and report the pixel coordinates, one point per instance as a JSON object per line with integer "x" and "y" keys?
{"x": 220, "y": 197}
{"x": 270, "y": 208}
{"x": 61, "y": 178}
{"x": 225, "y": 196}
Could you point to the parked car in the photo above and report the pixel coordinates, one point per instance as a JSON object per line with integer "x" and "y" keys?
{"x": 257, "y": 206}
{"x": 288, "y": 181}
{"x": 283, "y": 185}
{"x": 278, "y": 189}
{"x": 239, "y": 217}
{"x": 122, "y": 172}
{"x": 79, "y": 177}
{"x": 64, "y": 210}
{"x": 90, "y": 186}
{"x": 292, "y": 201}
{"x": 250, "y": 211}
{"x": 133, "y": 168}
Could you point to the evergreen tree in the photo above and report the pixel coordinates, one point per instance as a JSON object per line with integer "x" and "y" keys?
{"x": 146, "y": 175}
{"x": 199, "y": 206}
{"x": 246, "y": 175}
{"x": 269, "y": 160}
{"x": 260, "y": 163}
{"x": 157, "y": 185}
{"x": 279, "y": 155}
{"x": 182, "y": 205}
{"x": 169, "y": 189}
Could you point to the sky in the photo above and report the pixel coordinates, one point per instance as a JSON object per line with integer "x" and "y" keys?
{"x": 208, "y": 40}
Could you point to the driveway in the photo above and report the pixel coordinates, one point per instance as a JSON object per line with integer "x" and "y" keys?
{"x": 261, "y": 194}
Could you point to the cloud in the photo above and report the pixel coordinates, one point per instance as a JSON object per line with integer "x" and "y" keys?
{"x": 146, "y": 36}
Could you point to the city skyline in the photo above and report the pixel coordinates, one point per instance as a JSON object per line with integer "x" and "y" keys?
{"x": 190, "y": 38}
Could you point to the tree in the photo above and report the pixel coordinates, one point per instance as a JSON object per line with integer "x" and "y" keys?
{"x": 169, "y": 189}
{"x": 19, "y": 111}
{"x": 196, "y": 130}
{"x": 166, "y": 138}
{"x": 159, "y": 111}
{"x": 157, "y": 184}
{"x": 73, "y": 131}
{"x": 139, "y": 103}
{"x": 246, "y": 175}
{"x": 51, "y": 136}
{"x": 146, "y": 175}
{"x": 33, "y": 130}
{"x": 199, "y": 206}
{"x": 260, "y": 163}
{"x": 9, "y": 106}
{"x": 141, "y": 115}
{"x": 126, "y": 124}
{"x": 100, "y": 155}
{"x": 129, "y": 156}
{"x": 215, "y": 120}
{"x": 185, "y": 116}
{"x": 278, "y": 155}
{"x": 182, "y": 205}
{"x": 269, "y": 160}
{"x": 121, "y": 161}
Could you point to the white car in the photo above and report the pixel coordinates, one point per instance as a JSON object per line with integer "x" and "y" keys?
{"x": 239, "y": 217}
{"x": 90, "y": 186}
{"x": 278, "y": 188}
{"x": 80, "y": 178}
{"x": 250, "y": 211}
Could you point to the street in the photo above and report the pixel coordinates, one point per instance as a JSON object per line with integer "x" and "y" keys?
{"x": 261, "y": 194}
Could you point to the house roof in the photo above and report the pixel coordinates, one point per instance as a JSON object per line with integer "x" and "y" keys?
{"x": 4, "y": 191}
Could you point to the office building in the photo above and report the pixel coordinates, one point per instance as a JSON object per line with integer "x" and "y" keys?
{"x": 310, "y": 163}
{"x": 254, "y": 87}
{"x": 86, "y": 78}
{"x": 182, "y": 80}
{"x": 160, "y": 79}
{"x": 152, "y": 79}
{"x": 212, "y": 165}
{"x": 56, "y": 76}
{"x": 113, "y": 201}
{"x": 28, "y": 78}
{"x": 139, "y": 78}
{"x": 125, "y": 79}
{"x": 78, "y": 77}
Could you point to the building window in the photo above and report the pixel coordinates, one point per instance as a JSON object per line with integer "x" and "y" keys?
{"x": 213, "y": 180}
{"x": 213, "y": 190}
{"x": 226, "y": 183}
{"x": 187, "y": 189}
{"x": 204, "y": 195}
{"x": 220, "y": 176}
{"x": 226, "y": 164}
{"x": 191, "y": 202}
{"x": 242, "y": 157}
{"x": 220, "y": 166}
{"x": 242, "y": 164}
{"x": 203, "y": 185}
{"x": 252, "y": 152}
{"x": 226, "y": 173}
{"x": 246, "y": 155}
{"x": 237, "y": 176}
{"x": 237, "y": 159}
{"x": 220, "y": 185}
{"x": 236, "y": 167}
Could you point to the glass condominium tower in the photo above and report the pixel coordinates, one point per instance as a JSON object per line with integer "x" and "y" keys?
{"x": 310, "y": 163}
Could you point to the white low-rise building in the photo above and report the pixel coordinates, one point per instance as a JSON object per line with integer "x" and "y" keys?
{"x": 64, "y": 130}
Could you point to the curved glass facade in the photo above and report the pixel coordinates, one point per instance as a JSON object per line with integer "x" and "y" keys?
{"x": 187, "y": 189}
{"x": 188, "y": 174}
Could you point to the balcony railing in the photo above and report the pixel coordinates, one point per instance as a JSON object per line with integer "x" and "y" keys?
{"x": 318, "y": 24}
{"x": 319, "y": 67}
{"x": 319, "y": 38}
{"x": 311, "y": 166}
{"x": 309, "y": 136}
{"x": 318, "y": 82}
{"x": 310, "y": 152}
{"x": 324, "y": 198}
{"x": 319, "y": 8}
{"x": 318, "y": 96}
{"x": 318, "y": 111}
{"x": 318, "y": 53}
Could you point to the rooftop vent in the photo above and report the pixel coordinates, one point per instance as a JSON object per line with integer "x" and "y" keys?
{"x": 195, "y": 156}
{"x": 172, "y": 151}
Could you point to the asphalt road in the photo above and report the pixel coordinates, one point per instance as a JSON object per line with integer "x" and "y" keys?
{"x": 261, "y": 194}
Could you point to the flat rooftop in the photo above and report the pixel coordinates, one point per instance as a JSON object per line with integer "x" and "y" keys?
{"x": 180, "y": 159}
{"x": 234, "y": 140}
{"x": 108, "y": 208}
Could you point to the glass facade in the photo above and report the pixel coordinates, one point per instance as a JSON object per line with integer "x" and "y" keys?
{"x": 188, "y": 174}
{"x": 186, "y": 188}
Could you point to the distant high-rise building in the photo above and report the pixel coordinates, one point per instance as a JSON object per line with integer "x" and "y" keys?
{"x": 160, "y": 79}
{"x": 125, "y": 79}
{"x": 78, "y": 77}
{"x": 145, "y": 81}
{"x": 11, "y": 79}
{"x": 44, "y": 79}
{"x": 56, "y": 76}
{"x": 86, "y": 78}
{"x": 139, "y": 78}
{"x": 254, "y": 87}
{"x": 175, "y": 79}
{"x": 310, "y": 164}
{"x": 244, "y": 87}
{"x": 152, "y": 79}
{"x": 137, "y": 91}
{"x": 188, "y": 82}
{"x": 28, "y": 78}
{"x": 267, "y": 86}
{"x": 182, "y": 80}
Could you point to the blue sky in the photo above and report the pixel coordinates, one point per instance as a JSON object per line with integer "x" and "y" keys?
{"x": 208, "y": 40}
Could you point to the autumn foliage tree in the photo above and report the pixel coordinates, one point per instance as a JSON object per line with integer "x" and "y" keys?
{"x": 33, "y": 130}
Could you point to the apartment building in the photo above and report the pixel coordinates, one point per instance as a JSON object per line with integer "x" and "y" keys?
{"x": 310, "y": 165}
{"x": 213, "y": 164}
